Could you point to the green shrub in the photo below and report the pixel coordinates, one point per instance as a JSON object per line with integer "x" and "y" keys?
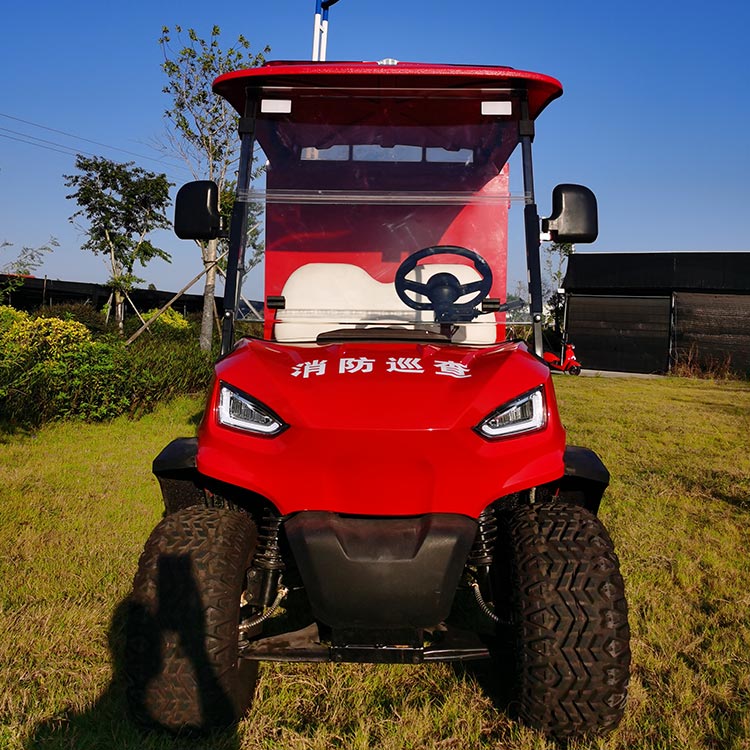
{"x": 37, "y": 339}
{"x": 52, "y": 369}
{"x": 251, "y": 328}
{"x": 170, "y": 318}
{"x": 82, "y": 312}
{"x": 167, "y": 368}
{"x": 169, "y": 325}
{"x": 86, "y": 382}
{"x": 8, "y": 316}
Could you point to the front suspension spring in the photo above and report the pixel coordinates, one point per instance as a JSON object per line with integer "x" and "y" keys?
{"x": 268, "y": 552}
{"x": 265, "y": 570}
{"x": 483, "y": 549}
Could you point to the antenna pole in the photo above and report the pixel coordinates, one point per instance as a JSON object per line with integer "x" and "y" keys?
{"x": 324, "y": 32}
{"x": 320, "y": 29}
{"x": 316, "y": 30}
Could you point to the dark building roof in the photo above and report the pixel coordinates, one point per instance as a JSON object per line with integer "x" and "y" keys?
{"x": 653, "y": 273}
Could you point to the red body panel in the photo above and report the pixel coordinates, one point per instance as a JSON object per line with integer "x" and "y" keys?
{"x": 366, "y": 438}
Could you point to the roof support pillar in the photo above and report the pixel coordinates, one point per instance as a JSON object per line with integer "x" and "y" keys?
{"x": 531, "y": 227}
{"x": 238, "y": 228}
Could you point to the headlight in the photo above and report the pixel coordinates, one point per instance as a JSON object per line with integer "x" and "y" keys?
{"x": 237, "y": 409}
{"x": 524, "y": 414}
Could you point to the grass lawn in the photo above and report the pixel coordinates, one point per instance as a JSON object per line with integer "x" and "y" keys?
{"x": 78, "y": 501}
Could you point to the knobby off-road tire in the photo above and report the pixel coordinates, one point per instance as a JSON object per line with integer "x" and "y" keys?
{"x": 572, "y": 640}
{"x": 182, "y": 666}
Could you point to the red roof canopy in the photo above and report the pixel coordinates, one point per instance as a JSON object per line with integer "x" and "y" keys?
{"x": 541, "y": 89}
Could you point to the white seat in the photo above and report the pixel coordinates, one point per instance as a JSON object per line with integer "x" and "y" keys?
{"x": 323, "y": 297}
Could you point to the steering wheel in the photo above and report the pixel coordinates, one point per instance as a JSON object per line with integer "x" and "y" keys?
{"x": 443, "y": 289}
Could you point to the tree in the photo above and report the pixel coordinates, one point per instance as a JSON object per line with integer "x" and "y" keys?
{"x": 123, "y": 204}
{"x": 202, "y": 128}
{"x": 555, "y": 265}
{"x": 25, "y": 263}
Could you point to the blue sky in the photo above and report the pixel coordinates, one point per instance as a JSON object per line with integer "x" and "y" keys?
{"x": 655, "y": 117}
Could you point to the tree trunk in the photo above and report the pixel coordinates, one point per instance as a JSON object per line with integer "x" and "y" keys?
{"x": 207, "y": 319}
{"x": 119, "y": 311}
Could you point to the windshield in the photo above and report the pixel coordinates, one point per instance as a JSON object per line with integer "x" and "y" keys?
{"x": 355, "y": 182}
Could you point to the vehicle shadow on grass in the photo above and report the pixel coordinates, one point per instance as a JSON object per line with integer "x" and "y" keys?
{"x": 495, "y": 676}
{"x": 10, "y": 432}
{"x": 108, "y": 723}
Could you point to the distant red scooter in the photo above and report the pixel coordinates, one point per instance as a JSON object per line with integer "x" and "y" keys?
{"x": 569, "y": 363}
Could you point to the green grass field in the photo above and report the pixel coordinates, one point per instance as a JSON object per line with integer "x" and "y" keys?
{"x": 78, "y": 501}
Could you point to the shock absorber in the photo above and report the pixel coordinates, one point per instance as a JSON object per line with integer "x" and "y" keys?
{"x": 265, "y": 570}
{"x": 481, "y": 557}
{"x": 482, "y": 552}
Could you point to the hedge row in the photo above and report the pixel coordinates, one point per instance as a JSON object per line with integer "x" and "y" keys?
{"x": 52, "y": 368}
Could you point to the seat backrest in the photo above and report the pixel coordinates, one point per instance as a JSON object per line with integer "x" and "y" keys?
{"x": 322, "y": 297}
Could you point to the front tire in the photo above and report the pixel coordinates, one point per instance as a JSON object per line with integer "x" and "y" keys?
{"x": 574, "y": 370}
{"x": 570, "y": 626}
{"x": 182, "y": 665}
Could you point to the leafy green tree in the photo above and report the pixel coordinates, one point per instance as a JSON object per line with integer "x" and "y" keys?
{"x": 202, "y": 128}
{"x": 122, "y": 204}
{"x": 25, "y": 263}
{"x": 556, "y": 256}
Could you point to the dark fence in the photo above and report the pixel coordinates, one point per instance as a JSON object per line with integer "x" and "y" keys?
{"x": 32, "y": 293}
{"x": 713, "y": 330}
{"x": 626, "y": 334}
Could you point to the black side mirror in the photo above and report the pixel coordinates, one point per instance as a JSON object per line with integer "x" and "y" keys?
{"x": 574, "y": 215}
{"x": 196, "y": 211}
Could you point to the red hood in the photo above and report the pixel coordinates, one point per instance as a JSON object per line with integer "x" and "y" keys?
{"x": 370, "y": 418}
{"x": 380, "y": 386}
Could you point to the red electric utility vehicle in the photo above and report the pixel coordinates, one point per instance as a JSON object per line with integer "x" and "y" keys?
{"x": 382, "y": 476}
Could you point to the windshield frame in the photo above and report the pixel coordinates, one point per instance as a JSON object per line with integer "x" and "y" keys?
{"x": 526, "y": 88}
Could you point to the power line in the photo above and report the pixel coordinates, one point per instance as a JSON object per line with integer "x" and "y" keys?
{"x": 87, "y": 140}
{"x": 69, "y": 152}
{"x": 59, "y": 148}
{"x": 69, "y": 149}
